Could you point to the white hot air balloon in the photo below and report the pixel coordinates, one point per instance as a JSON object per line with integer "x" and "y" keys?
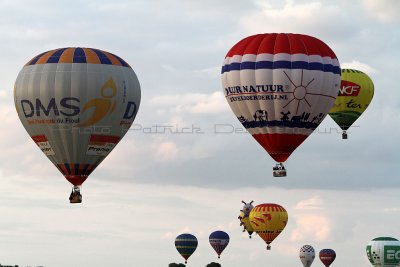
{"x": 280, "y": 86}
{"x": 77, "y": 104}
{"x": 384, "y": 252}
{"x": 307, "y": 255}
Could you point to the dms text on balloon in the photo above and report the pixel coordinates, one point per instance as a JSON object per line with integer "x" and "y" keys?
{"x": 67, "y": 107}
{"x": 37, "y": 108}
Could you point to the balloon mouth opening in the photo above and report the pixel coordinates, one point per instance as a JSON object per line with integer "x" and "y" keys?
{"x": 76, "y": 180}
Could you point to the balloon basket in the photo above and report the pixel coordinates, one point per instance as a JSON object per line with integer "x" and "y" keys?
{"x": 279, "y": 170}
{"x": 268, "y": 247}
{"x": 344, "y": 135}
{"x": 75, "y": 196}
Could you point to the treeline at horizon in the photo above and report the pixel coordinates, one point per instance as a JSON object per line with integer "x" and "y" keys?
{"x": 212, "y": 264}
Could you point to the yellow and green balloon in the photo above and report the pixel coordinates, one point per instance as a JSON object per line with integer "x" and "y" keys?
{"x": 355, "y": 95}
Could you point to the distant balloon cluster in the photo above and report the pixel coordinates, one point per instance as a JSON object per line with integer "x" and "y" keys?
{"x": 186, "y": 244}
{"x": 307, "y": 256}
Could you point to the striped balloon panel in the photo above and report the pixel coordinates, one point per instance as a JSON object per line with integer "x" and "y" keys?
{"x": 78, "y": 55}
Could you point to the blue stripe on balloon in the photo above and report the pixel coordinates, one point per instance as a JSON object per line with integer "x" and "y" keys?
{"x": 33, "y": 62}
{"x": 76, "y": 168}
{"x": 123, "y": 63}
{"x": 247, "y": 65}
{"x": 281, "y": 64}
{"x": 219, "y": 234}
{"x": 287, "y": 124}
{"x": 55, "y": 57}
{"x": 264, "y": 64}
{"x": 85, "y": 167}
{"x": 102, "y": 57}
{"x": 79, "y": 56}
{"x": 66, "y": 165}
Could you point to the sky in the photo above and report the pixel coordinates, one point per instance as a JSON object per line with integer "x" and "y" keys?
{"x": 187, "y": 163}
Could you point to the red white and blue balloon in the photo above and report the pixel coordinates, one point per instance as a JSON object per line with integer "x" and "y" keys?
{"x": 219, "y": 240}
{"x": 280, "y": 86}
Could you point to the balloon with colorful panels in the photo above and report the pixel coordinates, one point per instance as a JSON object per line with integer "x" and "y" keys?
{"x": 268, "y": 221}
{"x": 219, "y": 240}
{"x": 77, "y": 104}
{"x": 307, "y": 255}
{"x": 327, "y": 256}
{"x": 384, "y": 252}
{"x": 245, "y": 219}
{"x": 186, "y": 244}
{"x": 280, "y": 86}
{"x": 355, "y": 95}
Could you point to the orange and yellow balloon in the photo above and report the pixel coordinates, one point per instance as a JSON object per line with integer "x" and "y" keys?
{"x": 268, "y": 221}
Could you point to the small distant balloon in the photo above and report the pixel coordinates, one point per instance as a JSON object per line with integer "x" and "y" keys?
{"x": 307, "y": 255}
{"x": 186, "y": 244}
{"x": 219, "y": 240}
{"x": 327, "y": 256}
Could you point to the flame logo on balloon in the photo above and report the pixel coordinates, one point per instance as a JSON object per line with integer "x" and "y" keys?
{"x": 102, "y": 106}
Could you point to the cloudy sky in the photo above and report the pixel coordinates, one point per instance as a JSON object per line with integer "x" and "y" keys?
{"x": 187, "y": 163}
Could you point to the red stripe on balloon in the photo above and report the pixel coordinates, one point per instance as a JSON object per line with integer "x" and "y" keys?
{"x": 39, "y": 138}
{"x": 288, "y": 43}
{"x": 280, "y": 146}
